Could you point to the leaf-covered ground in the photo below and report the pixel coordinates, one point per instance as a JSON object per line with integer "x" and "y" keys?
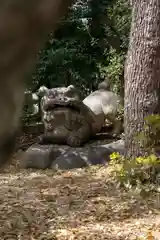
{"x": 80, "y": 204}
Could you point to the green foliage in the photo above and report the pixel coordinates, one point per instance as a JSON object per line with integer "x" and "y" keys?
{"x": 89, "y": 45}
{"x": 153, "y": 126}
{"x": 150, "y": 136}
{"x": 30, "y": 112}
{"x": 81, "y": 52}
{"x": 114, "y": 69}
{"x": 69, "y": 59}
{"x": 141, "y": 170}
{"x": 114, "y": 63}
{"x": 136, "y": 172}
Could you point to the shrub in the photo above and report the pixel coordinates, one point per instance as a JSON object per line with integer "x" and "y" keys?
{"x": 136, "y": 172}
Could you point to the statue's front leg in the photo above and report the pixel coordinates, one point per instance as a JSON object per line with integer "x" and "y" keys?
{"x": 117, "y": 125}
{"x": 54, "y": 131}
{"x": 58, "y": 135}
{"x": 79, "y": 136}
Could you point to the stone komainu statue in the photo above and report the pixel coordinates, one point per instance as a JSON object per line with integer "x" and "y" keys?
{"x": 66, "y": 119}
{"x": 69, "y": 120}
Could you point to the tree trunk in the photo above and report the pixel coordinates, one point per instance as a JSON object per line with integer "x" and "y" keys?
{"x": 142, "y": 72}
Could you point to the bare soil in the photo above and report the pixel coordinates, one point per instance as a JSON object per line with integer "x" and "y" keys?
{"x": 68, "y": 205}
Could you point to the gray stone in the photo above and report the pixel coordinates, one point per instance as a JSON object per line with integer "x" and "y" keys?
{"x": 91, "y": 154}
{"x": 100, "y": 154}
{"x": 37, "y": 156}
{"x": 73, "y": 158}
{"x": 65, "y": 157}
{"x": 105, "y": 106}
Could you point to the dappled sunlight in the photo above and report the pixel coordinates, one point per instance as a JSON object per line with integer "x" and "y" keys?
{"x": 78, "y": 204}
{"x": 105, "y": 230}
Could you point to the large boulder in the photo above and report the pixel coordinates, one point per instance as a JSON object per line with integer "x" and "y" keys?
{"x": 65, "y": 157}
{"x": 37, "y": 156}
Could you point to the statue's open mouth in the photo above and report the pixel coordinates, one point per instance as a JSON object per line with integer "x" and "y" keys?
{"x": 75, "y": 108}
{"x": 52, "y": 104}
{"x": 74, "y": 105}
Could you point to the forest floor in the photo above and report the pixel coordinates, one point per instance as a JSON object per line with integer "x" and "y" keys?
{"x": 68, "y": 205}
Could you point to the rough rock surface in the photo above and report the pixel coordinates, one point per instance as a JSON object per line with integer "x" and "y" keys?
{"x": 105, "y": 106}
{"x": 37, "y": 156}
{"x": 65, "y": 157}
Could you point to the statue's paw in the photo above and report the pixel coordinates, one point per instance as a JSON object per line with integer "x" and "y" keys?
{"x": 74, "y": 141}
{"x": 40, "y": 139}
{"x": 114, "y": 134}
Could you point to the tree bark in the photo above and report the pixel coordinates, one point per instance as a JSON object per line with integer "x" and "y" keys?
{"x": 142, "y": 72}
